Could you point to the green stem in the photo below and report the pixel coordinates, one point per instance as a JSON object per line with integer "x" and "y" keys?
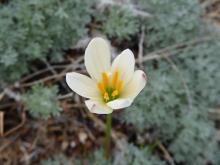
{"x": 108, "y": 135}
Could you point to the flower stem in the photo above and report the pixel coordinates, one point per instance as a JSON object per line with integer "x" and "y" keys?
{"x": 108, "y": 135}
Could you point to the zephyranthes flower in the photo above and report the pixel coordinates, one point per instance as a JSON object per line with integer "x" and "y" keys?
{"x": 110, "y": 86}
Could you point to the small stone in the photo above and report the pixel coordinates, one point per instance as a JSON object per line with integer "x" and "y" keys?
{"x": 64, "y": 145}
{"x": 73, "y": 144}
{"x": 82, "y": 137}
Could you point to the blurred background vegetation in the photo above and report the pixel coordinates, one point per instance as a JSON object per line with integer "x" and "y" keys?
{"x": 173, "y": 121}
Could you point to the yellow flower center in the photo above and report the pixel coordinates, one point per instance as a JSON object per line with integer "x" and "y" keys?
{"x": 110, "y": 87}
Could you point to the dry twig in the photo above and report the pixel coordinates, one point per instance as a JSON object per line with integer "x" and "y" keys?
{"x": 166, "y": 153}
{"x": 66, "y": 67}
{"x": 140, "y": 48}
{"x": 176, "y": 69}
{"x": 169, "y": 51}
{"x": 62, "y": 97}
{"x": 8, "y": 142}
{"x": 23, "y": 120}
{"x": 2, "y": 95}
{"x": 12, "y": 94}
{"x": 53, "y": 71}
{"x": 1, "y": 123}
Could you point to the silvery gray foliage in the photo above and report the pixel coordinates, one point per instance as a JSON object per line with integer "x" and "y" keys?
{"x": 128, "y": 155}
{"x": 40, "y": 29}
{"x": 31, "y": 30}
{"x": 163, "y": 106}
{"x": 196, "y": 139}
{"x": 118, "y": 22}
{"x": 41, "y": 101}
{"x": 172, "y": 21}
{"x": 133, "y": 155}
{"x": 201, "y": 65}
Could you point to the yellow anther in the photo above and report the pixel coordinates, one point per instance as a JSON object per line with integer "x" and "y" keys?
{"x": 101, "y": 87}
{"x": 105, "y": 79}
{"x": 115, "y": 93}
{"x": 119, "y": 87}
{"x": 106, "y": 97}
{"x": 114, "y": 79}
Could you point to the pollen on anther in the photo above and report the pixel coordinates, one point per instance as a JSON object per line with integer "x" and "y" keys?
{"x": 106, "y": 97}
{"x": 115, "y": 93}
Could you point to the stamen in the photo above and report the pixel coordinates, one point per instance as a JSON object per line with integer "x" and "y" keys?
{"x": 106, "y": 97}
{"x": 101, "y": 87}
{"x": 114, "y": 79}
{"x": 105, "y": 79}
{"x": 115, "y": 93}
{"x": 110, "y": 88}
{"x": 119, "y": 87}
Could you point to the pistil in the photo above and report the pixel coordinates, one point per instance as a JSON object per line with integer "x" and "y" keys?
{"x": 106, "y": 97}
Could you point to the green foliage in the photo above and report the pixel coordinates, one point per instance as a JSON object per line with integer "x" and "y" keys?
{"x": 56, "y": 160}
{"x": 118, "y": 23}
{"x": 33, "y": 29}
{"x": 41, "y": 101}
{"x": 172, "y": 21}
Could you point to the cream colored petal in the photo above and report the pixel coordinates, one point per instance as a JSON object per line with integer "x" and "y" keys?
{"x": 82, "y": 85}
{"x": 120, "y": 103}
{"x": 98, "y": 107}
{"x": 134, "y": 87}
{"x": 97, "y": 57}
{"x": 124, "y": 64}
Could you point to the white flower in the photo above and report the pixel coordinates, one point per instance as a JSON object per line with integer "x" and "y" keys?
{"x": 110, "y": 86}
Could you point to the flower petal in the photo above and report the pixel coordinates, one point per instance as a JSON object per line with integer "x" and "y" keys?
{"x": 124, "y": 64}
{"x": 120, "y": 103}
{"x": 134, "y": 87}
{"x": 97, "y": 57}
{"x": 98, "y": 107}
{"x": 82, "y": 85}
